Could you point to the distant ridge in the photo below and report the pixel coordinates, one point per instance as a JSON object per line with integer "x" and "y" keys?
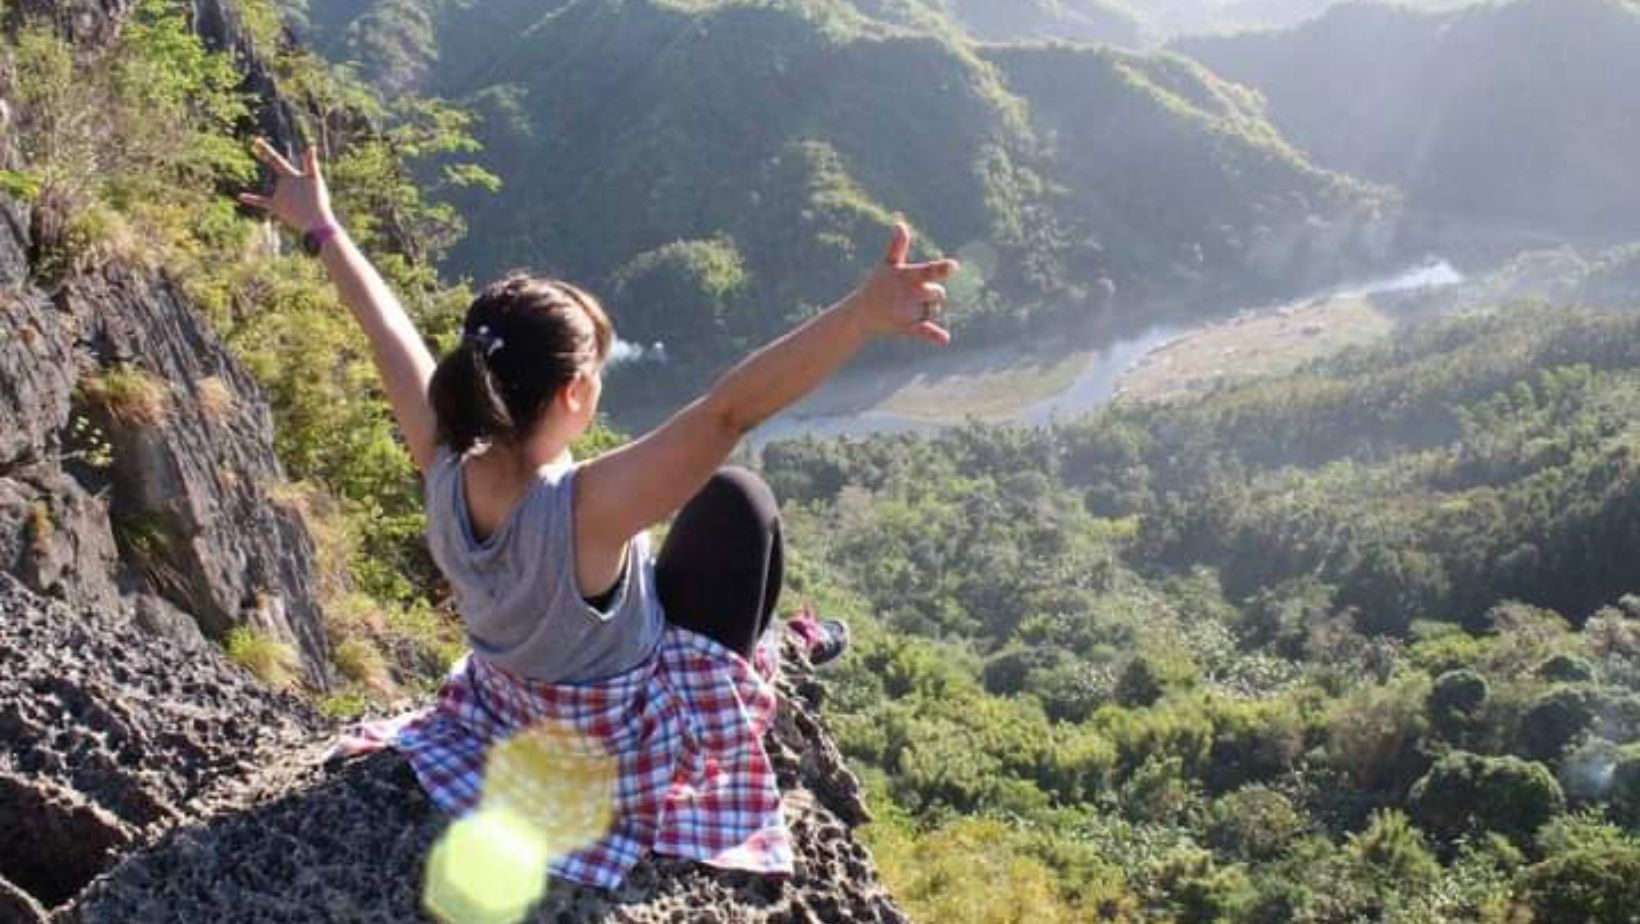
{"x": 1517, "y": 114}
{"x": 772, "y": 142}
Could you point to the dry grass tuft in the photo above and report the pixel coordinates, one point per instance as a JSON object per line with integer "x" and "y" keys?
{"x": 216, "y": 400}
{"x": 362, "y": 663}
{"x": 129, "y": 395}
{"x": 271, "y": 661}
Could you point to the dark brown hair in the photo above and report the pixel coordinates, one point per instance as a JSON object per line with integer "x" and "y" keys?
{"x": 524, "y": 338}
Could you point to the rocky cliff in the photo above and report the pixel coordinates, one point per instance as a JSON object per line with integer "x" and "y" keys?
{"x": 136, "y": 463}
{"x": 156, "y": 783}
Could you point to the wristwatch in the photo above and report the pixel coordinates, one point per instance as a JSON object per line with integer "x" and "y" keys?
{"x": 314, "y": 239}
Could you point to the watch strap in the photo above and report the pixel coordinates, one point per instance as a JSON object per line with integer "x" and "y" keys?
{"x": 314, "y": 239}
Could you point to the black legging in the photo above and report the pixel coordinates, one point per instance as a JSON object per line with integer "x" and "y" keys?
{"x": 719, "y": 571}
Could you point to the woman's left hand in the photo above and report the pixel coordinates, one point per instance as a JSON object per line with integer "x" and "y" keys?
{"x": 905, "y": 298}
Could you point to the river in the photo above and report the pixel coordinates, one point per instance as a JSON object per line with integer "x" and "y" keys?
{"x": 836, "y": 410}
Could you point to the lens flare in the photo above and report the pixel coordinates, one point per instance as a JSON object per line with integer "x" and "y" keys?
{"x": 547, "y": 792}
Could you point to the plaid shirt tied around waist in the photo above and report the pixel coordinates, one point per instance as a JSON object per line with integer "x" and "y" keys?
{"x": 685, "y": 729}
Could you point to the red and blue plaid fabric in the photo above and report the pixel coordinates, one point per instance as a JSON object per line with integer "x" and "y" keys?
{"x": 686, "y": 730}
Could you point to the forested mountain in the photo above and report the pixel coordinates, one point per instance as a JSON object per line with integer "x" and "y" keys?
{"x": 729, "y": 166}
{"x": 1352, "y": 644}
{"x": 1516, "y": 114}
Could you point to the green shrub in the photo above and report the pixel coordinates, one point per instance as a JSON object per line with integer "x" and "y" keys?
{"x": 1253, "y": 741}
{"x": 135, "y": 131}
{"x": 128, "y": 395}
{"x": 1554, "y": 721}
{"x": 969, "y": 871}
{"x": 361, "y": 662}
{"x": 1392, "y": 852}
{"x": 1456, "y": 702}
{"x": 1255, "y": 824}
{"x": 271, "y": 661}
{"x": 1140, "y": 684}
{"x": 1565, "y": 668}
{"x": 1625, "y": 787}
{"x": 1587, "y": 772}
{"x": 1374, "y": 734}
{"x": 1470, "y": 794}
{"x": 1204, "y": 891}
{"x": 1586, "y": 885}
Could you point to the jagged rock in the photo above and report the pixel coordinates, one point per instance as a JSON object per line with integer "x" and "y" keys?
{"x": 81, "y": 21}
{"x": 19, "y": 907}
{"x": 110, "y": 738}
{"x": 13, "y": 231}
{"x": 190, "y": 503}
{"x": 54, "y": 537}
{"x": 220, "y": 27}
{"x": 38, "y": 369}
{"x": 69, "y": 839}
{"x": 157, "y": 617}
{"x": 179, "y": 507}
{"x": 349, "y": 844}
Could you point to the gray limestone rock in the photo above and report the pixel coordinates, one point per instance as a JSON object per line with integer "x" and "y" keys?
{"x": 190, "y": 477}
{"x": 109, "y": 736}
{"x": 172, "y": 502}
{"x": 13, "y": 236}
{"x": 19, "y": 907}
{"x": 112, "y": 740}
{"x": 157, "y": 617}
{"x": 38, "y": 371}
{"x": 54, "y": 537}
{"x": 67, "y": 839}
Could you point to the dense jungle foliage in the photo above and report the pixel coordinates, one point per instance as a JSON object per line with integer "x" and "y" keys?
{"x": 1350, "y": 644}
{"x": 1515, "y": 115}
{"x": 746, "y": 156}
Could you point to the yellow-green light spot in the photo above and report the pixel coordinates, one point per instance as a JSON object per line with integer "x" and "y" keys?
{"x": 547, "y": 792}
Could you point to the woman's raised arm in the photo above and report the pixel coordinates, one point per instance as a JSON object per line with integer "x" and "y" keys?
{"x": 301, "y": 200}
{"x": 645, "y": 481}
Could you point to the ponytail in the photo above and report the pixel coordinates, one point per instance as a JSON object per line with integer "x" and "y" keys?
{"x": 523, "y": 340}
{"x": 469, "y": 407}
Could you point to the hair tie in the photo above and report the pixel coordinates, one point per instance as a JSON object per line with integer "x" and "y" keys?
{"x": 486, "y": 341}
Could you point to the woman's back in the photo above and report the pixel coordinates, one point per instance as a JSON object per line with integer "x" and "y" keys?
{"x": 517, "y": 591}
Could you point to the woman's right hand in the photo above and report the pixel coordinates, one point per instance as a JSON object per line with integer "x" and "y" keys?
{"x": 300, "y": 198}
{"x": 904, "y": 298}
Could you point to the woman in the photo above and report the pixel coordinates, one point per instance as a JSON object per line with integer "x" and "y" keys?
{"x": 569, "y": 619}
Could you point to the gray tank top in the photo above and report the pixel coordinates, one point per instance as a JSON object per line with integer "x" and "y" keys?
{"x": 517, "y": 592}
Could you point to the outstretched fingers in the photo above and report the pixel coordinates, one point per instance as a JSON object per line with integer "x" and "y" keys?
{"x": 931, "y": 332}
{"x": 899, "y": 244}
{"x": 266, "y": 153}
{"x": 254, "y": 201}
{"x": 935, "y": 270}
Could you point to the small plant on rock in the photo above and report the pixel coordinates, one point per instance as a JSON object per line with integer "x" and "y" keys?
{"x": 362, "y": 663}
{"x": 271, "y": 661}
{"x": 216, "y": 399}
{"x": 128, "y": 396}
